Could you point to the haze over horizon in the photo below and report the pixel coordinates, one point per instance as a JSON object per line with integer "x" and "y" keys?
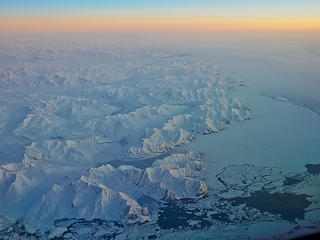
{"x": 127, "y": 16}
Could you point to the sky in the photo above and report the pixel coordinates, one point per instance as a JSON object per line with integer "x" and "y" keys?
{"x": 151, "y": 15}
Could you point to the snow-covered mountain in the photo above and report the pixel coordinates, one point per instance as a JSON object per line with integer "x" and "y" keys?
{"x": 72, "y": 113}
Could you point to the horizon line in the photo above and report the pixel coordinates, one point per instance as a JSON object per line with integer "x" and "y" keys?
{"x": 129, "y": 24}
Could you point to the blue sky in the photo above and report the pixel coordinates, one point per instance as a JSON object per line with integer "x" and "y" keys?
{"x": 17, "y": 7}
{"x": 97, "y": 15}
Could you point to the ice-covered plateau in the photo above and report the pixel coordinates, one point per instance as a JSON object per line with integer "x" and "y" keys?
{"x": 68, "y": 114}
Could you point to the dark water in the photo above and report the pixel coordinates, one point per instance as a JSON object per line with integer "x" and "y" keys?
{"x": 313, "y": 169}
{"x": 291, "y": 181}
{"x": 176, "y": 216}
{"x": 290, "y": 206}
{"x": 93, "y": 229}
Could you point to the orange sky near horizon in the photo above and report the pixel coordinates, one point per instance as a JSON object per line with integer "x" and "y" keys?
{"x": 155, "y": 23}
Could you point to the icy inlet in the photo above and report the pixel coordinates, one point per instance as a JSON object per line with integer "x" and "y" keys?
{"x": 68, "y": 114}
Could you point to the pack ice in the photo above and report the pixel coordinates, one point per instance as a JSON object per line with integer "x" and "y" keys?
{"x": 75, "y": 122}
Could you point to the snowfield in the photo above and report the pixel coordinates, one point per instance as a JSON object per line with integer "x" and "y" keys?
{"x": 68, "y": 114}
